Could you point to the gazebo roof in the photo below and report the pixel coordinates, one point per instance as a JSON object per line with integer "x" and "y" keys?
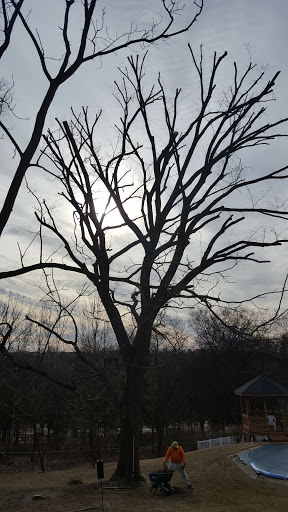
{"x": 261, "y": 386}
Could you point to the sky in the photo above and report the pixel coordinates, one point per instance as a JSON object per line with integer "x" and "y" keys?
{"x": 224, "y": 25}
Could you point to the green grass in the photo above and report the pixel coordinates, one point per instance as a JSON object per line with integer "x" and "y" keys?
{"x": 219, "y": 486}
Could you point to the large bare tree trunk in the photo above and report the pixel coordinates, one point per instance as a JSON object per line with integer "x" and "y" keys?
{"x": 128, "y": 467}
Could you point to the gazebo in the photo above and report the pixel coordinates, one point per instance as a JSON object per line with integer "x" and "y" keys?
{"x": 264, "y": 409}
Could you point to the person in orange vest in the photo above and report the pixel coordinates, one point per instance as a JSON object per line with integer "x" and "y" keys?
{"x": 177, "y": 456}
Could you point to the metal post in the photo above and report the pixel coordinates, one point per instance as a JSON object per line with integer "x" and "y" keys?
{"x": 100, "y": 474}
{"x": 133, "y": 454}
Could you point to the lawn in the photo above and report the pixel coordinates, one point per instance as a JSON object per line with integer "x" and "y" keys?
{"x": 219, "y": 485}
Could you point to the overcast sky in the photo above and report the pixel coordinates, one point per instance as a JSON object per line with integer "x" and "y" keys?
{"x": 229, "y": 25}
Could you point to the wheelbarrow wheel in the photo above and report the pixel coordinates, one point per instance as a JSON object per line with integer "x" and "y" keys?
{"x": 165, "y": 489}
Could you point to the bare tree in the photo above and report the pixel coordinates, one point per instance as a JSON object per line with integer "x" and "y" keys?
{"x": 13, "y": 328}
{"x": 166, "y": 192}
{"x": 230, "y": 330}
{"x": 239, "y": 345}
{"x": 95, "y": 43}
{"x": 6, "y": 97}
{"x": 9, "y": 12}
{"x": 35, "y": 364}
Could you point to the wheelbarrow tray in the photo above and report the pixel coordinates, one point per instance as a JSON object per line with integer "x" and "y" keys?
{"x": 161, "y": 480}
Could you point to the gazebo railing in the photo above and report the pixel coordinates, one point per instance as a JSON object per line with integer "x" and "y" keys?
{"x": 254, "y": 424}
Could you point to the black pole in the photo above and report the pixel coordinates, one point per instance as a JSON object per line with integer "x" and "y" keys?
{"x": 100, "y": 474}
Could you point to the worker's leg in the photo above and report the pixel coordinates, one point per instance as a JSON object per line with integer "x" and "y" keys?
{"x": 173, "y": 467}
{"x": 178, "y": 467}
{"x": 184, "y": 476}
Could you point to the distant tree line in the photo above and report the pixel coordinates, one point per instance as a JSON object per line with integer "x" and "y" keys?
{"x": 190, "y": 380}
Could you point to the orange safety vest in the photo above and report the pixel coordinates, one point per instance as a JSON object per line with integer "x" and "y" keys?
{"x": 177, "y": 455}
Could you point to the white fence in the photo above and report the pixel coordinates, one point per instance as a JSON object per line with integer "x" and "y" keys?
{"x": 212, "y": 443}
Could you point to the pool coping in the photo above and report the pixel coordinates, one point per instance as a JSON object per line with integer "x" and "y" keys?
{"x": 250, "y": 472}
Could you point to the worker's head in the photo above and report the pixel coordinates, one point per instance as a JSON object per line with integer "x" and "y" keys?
{"x": 174, "y": 445}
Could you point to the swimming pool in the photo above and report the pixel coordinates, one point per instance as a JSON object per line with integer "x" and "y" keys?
{"x": 270, "y": 460}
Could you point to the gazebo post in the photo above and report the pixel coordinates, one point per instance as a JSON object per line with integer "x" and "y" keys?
{"x": 265, "y": 414}
{"x": 282, "y": 415}
{"x": 248, "y": 406}
{"x": 241, "y": 406}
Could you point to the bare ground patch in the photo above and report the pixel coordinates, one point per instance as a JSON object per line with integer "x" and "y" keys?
{"x": 219, "y": 486}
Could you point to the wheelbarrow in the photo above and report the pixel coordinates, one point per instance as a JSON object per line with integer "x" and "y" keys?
{"x": 161, "y": 480}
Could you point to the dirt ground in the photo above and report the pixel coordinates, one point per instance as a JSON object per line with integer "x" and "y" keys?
{"x": 219, "y": 485}
{"x": 18, "y": 492}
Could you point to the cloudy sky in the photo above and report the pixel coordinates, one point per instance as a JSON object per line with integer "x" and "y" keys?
{"x": 224, "y": 25}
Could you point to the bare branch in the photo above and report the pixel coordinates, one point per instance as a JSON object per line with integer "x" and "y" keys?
{"x": 8, "y": 17}
{"x": 67, "y": 69}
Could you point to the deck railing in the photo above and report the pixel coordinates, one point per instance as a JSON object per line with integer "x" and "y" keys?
{"x": 255, "y": 424}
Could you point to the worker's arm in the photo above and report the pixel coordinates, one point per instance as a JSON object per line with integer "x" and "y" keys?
{"x": 182, "y": 455}
{"x": 167, "y": 454}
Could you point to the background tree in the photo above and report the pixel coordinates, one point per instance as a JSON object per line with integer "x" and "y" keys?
{"x": 167, "y": 192}
{"x": 232, "y": 349}
{"x": 31, "y": 401}
{"x": 6, "y": 97}
{"x": 237, "y": 337}
{"x": 161, "y": 377}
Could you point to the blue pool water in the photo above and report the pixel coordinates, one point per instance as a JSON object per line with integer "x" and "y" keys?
{"x": 270, "y": 460}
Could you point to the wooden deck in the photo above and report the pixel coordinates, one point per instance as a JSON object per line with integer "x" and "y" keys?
{"x": 278, "y": 437}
